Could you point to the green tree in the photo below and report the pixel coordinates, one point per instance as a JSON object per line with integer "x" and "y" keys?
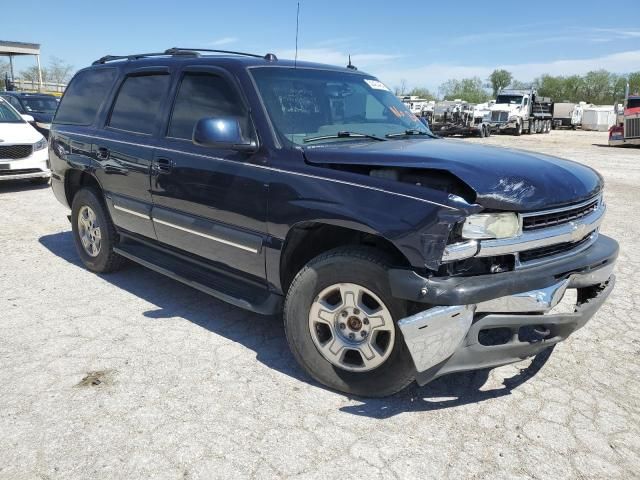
{"x": 499, "y": 79}
{"x": 468, "y": 89}
{"x": 634, "y": 82}
{"x": 517, "y": 84}
{"x": 550, "y": 86}
{"x": 422, "y": 93}
{"x": 573, "y": 88}
{"x": 597, "y": 87}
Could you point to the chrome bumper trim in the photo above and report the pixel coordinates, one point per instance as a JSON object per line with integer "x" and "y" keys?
{"x": 566, "y": 233}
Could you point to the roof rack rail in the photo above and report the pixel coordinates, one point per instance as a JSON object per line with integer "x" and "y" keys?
{"x": 136, "y": 56}
{"x": 179, "y": 50}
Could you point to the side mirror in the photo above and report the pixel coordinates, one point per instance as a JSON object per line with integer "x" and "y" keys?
{"x": 27, "y": 118}
{"x": 222, "y": 132}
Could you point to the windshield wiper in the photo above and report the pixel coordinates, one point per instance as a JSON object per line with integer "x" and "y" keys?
{"x": 344, "y": 134}
{"x": 409, "y": 132}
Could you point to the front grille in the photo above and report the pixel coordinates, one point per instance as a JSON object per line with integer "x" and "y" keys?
{"x": 499, "y": 116}
{"x": 14, "y": 152}
{"x": 535, "y": 222}
{"x": 19, "y": 171}
{"x": 537, "y": 253}
{"x": 632, "y": 128}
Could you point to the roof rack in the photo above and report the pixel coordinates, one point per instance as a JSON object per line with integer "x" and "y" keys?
{"x": 179, "y": 50}
{"x": 176, "y": 51}
{"x": 136, "y": 56}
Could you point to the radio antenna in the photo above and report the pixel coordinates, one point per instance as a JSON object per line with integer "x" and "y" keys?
{"x": 295, "y": 61}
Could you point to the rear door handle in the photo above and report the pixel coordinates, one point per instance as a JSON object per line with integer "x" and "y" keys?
{"x": 102, "y": 153}
{"x": 162, "y": 165}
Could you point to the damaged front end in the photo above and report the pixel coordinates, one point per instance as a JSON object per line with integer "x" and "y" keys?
{"x": 504, "y": 330}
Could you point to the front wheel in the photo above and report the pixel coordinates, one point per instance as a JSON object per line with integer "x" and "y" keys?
{"x": 340, "y": 322}
{"x": 518, "y": 129}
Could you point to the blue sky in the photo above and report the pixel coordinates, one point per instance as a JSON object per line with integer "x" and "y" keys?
{"x": 424, "y": 43}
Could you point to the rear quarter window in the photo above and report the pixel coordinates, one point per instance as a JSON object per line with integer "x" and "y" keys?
{"x": 84, "y": 95}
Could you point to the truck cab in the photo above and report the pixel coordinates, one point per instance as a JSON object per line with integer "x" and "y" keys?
{"x": 626, "y": 131}
{"x": 518, "y": 111}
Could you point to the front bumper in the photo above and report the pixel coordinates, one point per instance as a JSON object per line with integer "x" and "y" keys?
{"x": 35, "y": 165}
{"x": 503, "y": 125}
{"x": 515, "y": 305}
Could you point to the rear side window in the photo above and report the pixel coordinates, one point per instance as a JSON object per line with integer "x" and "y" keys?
{"x": 84, "y": 96}
{"x": 204, "y": 95}
{"x": 138, "y": 103}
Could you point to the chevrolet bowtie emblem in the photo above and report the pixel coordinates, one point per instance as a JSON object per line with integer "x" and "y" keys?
{"x": 578, "y": 231}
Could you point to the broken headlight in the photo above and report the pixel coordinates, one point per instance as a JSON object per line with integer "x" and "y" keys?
{"x": 491, "y": 225}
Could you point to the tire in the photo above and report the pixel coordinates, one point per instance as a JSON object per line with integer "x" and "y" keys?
{"x": 104, "y": 259}
{"x": 548, "y": 129}
{"x": 344, "y": 267}
{"x": 539, "y": 126}
{"x": 481, "y": 132}
{"x": 532, "y": 130}
{"x": 40, "y": 181}
{"x": 518, "y": 130}
{"x": 487, "y": 132}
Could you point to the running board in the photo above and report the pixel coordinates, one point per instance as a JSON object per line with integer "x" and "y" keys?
{"x": 223, "y": 287}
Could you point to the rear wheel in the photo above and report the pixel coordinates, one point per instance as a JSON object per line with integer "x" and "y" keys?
{"x": 340, "y": 321}
{"x": 487, "y": 131}
{"x": 481, "y": 131}
{"x": 547, "y": 126}
{"x": 94, "y": 233}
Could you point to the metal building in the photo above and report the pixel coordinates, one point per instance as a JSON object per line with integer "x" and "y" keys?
{"x": 14, "y": 49}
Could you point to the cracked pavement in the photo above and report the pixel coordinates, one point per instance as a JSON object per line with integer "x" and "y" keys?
{"x": 133, "y": 375}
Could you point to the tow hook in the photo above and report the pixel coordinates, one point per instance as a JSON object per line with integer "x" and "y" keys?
{"x": 534, "y": 333}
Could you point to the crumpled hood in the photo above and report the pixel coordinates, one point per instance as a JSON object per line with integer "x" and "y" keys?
{"x": 503, "y": 179}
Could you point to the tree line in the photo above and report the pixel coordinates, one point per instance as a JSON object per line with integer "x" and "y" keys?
{"x": 599, "y": 87}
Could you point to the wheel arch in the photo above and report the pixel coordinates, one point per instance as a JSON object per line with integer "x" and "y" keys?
{"x": 76, "y": 179}
{"x": 308, "y": 239}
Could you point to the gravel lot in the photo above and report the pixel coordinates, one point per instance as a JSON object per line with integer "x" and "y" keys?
{"x": 132, "y": 375}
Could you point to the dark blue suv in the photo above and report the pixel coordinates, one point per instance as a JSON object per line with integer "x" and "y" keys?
{"x": 274, "y": 185}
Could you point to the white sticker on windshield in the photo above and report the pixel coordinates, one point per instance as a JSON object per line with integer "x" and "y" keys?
{"x": 377, "y": 85}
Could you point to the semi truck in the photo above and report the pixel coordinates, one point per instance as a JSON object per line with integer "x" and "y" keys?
{"x": 457, "y": 117}
{"x": 626, "y": 131}
{"x": 521, "y": 111}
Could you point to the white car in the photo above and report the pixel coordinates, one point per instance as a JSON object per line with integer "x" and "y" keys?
{"x": 23, "y": 151}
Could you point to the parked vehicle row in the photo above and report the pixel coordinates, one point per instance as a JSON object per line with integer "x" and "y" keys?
{"x": 41, "y": 107}
{"x": 311, "y": 190}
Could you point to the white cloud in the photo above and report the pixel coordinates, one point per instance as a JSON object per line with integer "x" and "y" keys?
{"x": 223, "y": 41}
{"x": 335, "y": 57}
{"x": 432, "y": 75}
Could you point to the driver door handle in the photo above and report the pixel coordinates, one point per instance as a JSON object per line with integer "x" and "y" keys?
{"x": 162, "y": 165}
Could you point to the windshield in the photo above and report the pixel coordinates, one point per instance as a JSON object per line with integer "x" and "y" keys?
{"x": 512, "y": 99}
{"x": 8, "y": 114}
{"x": 306, "y": 104}
{"x": 633, "y": 102}
{"x": 40, "y": 104}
